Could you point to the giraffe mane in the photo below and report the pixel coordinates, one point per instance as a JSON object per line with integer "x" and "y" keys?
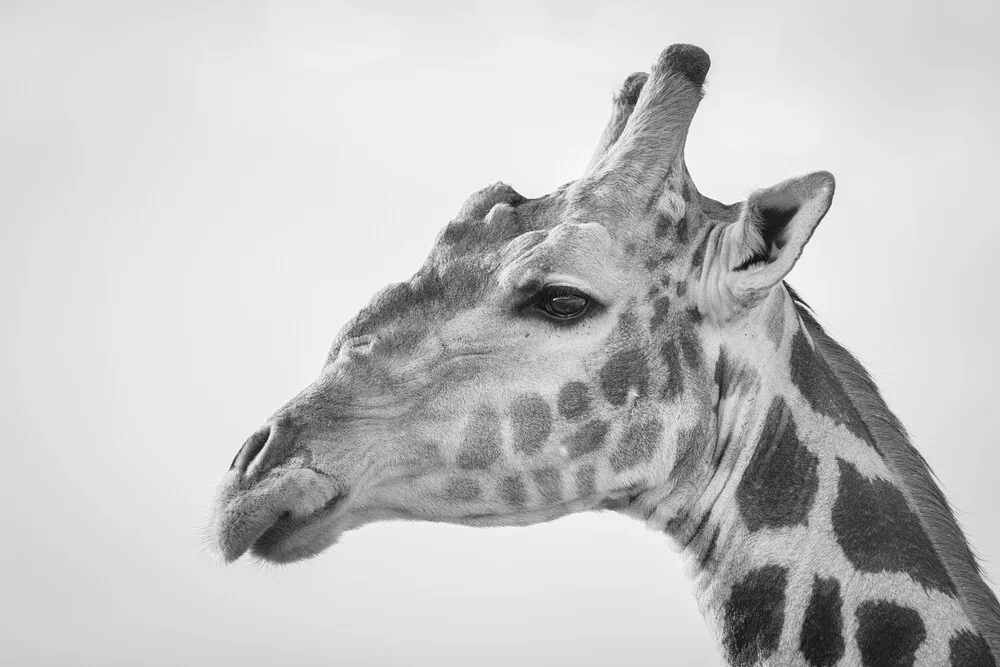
{"x": 919, "y": 480}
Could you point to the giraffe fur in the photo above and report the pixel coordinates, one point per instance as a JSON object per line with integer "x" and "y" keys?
{"x": 626, "y": 343}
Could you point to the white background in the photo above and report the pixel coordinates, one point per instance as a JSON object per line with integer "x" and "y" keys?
{"x": 193, "y": 199}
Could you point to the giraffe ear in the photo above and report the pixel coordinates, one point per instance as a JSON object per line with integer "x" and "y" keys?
{"x": 761, "y": 247}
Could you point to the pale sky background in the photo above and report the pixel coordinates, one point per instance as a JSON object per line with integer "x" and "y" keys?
{"x": 195, "y": 198}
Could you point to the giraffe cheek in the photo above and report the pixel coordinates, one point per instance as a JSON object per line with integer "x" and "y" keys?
{"x": 624, "y": 371}
{"x": 481, "y": 441}
{"x": 530, "y": 422}
{"x": 637, "y": 445}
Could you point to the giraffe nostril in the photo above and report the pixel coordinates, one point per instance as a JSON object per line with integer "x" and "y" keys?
{"x": 250, "y": 449}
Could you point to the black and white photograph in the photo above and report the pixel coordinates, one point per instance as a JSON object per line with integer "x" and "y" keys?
{"x": 508, "y": 334}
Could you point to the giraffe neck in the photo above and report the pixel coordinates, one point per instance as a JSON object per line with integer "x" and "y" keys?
{"x": 803, "y": 545}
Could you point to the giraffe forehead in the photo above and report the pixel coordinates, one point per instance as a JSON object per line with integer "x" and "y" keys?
{"x": 582, "y": 255}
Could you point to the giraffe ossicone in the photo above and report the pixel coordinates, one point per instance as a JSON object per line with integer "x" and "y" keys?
{"x": 627, "y": 343}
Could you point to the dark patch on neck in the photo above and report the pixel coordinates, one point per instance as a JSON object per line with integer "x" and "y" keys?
{"x": 682, "y": 287}
{"x": 637, "y": 445}
{"x": 780, "y": 483}
{"x": 574, "y": 401}
{"x": 969, "y": 649}
{"x": 978, "y": 600}
{"x": 624, "y": 371}
{"x": 822, "y": 638}
{"x": 889, "y": 634}
{"x": 820, "y": 386}
{"x": 754, "y": 615}
{"x": 878, "y": 531}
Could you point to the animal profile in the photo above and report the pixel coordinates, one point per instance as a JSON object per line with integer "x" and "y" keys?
{"x": 626, "y": 343}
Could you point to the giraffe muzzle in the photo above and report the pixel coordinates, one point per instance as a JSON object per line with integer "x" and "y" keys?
{"x": 273, "y": 502}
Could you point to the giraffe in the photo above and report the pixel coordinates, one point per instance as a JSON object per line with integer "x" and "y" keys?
{"x": 628, "y": 344}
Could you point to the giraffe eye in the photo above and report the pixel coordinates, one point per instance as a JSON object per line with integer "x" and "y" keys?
{"x": 563, "y": 303}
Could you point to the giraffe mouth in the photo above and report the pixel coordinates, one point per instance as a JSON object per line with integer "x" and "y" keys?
{"x": 282, "y": 520}
{"x": 292, "y": 538}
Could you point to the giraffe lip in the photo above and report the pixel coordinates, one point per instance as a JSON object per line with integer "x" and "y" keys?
{"x": 272, "y": 543}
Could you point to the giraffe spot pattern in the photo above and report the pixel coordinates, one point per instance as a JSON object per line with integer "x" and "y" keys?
{"x": 587, "y": 438}
{"x": 888, "y": 634}
{"x": 574, "y": 401}
{"x": 637, "y": 445}
{"x": 754, "y": 614}
{"x": 661, "y": 308}
{"x": 481, "y": 441}
{"x": 878, "y": 532}
{"x": 628, "y": 321}
{"x": 690, "y": 347}
{"x": 681, "y": 229}
{"x": 780, "y": 482}
{"x": 822, "y": 638}
{"x": 624, "y": 370}
{"x": 969, "y": 649}
{"x": 674, "y": 384}
{"x": 663, "y": 224}
{"x": 585, "y": 480}
{"x": 549, "y": 483}
{"x": 511, "y": 489}
{"x": 463, "y": 488}
{"x": 531, "y": 422}
{"x": 682, "y": 287}
{"x": 822, "y": 389}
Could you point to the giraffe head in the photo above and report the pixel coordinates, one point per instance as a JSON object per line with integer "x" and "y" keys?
{"x": 550, "y": 356}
